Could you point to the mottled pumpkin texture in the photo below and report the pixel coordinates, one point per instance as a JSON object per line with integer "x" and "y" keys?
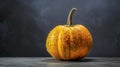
{"x": 69, "y": 42}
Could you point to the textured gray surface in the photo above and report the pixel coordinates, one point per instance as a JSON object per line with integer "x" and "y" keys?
{"x": 50, "y": 62}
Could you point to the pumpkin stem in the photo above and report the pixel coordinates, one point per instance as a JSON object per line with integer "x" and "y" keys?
{"x": 69, "y": 20}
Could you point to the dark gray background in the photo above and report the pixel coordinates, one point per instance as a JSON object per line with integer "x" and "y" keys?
{"x": 24, "y": 25}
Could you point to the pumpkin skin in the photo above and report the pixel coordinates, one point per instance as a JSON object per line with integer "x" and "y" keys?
{"x": 69, "y": 42}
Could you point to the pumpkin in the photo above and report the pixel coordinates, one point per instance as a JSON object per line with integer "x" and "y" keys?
{"x": 69, "y": 42}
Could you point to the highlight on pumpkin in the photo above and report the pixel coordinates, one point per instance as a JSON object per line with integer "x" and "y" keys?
{"x": 69, "y": 43}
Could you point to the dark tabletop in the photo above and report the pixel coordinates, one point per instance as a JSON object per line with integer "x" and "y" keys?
{"x": 51, "y": 62}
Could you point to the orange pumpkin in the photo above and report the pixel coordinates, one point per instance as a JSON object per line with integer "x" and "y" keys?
{"x": 69, "y": 42}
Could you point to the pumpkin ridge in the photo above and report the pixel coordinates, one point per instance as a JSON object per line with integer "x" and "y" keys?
{"x": 60, "y": 30}
{"x": 71, "y": 30}
{"x": 69, "y": 45}
{"x": 59, "y": 40}
{"x": 51, "y": 43}
{"x": 63, "y": 43}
